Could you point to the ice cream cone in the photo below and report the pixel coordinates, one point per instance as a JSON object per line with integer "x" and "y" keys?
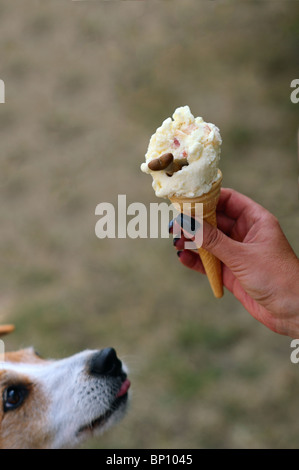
{"x": 209, "y": 200}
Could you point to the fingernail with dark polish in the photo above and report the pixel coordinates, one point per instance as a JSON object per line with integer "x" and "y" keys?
{"x": 170, "y": 227}
{"x": 189, "y": 224}
{"x": 175, "y": 240}
{"x": 179, "y": 252}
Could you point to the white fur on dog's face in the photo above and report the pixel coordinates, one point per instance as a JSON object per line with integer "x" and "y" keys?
{"x": 60, "y": 402}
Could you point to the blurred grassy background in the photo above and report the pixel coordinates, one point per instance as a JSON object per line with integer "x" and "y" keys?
{"x": 87, "y": 83}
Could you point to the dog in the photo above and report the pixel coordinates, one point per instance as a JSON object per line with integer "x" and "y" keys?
{"x": 54, "y": 404}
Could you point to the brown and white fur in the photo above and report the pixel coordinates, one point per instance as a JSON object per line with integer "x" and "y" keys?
{"x": 51, "y": 404}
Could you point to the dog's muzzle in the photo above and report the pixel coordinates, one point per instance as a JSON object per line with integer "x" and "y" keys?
{"x": 106, "y": 362}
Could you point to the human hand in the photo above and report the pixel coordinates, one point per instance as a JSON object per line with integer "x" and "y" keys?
{"x": 259, "y": 266}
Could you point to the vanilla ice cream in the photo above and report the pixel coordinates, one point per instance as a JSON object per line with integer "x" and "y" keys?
{"x": 183, "y": 156}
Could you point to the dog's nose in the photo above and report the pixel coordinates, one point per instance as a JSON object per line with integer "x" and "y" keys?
{"x": 105, "y": 362}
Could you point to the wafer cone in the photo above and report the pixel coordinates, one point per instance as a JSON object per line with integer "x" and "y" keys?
{"x": 209, "y": 200}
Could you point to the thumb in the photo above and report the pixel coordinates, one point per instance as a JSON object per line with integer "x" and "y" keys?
{"x": 219, "y": 244}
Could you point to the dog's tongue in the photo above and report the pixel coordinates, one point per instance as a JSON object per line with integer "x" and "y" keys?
{"x": 124, "y": 388}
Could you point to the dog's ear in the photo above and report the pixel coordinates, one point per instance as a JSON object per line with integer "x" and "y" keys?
{"x": 6, "y": 329}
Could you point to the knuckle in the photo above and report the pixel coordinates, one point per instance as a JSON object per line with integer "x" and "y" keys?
{"x": 275, "y": 221}
{"x": 212, "y": 238}
{"x": 270, "y": 219}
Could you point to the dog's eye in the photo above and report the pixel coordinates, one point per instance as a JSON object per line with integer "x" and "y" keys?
{"x": 13, "y": 397}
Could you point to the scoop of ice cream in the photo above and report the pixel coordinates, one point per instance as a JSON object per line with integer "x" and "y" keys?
{"x": 183, "y": 155}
